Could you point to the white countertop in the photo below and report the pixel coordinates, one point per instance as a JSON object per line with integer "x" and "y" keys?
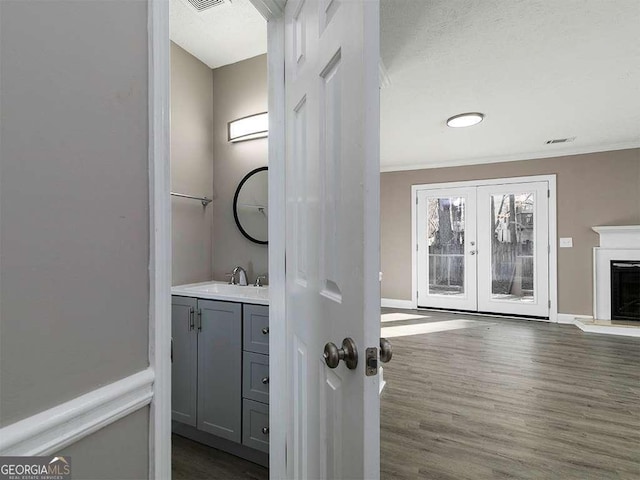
{"x": 225, "y": 292}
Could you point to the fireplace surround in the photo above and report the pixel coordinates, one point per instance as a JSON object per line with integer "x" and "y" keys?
{"x": 615, "y": 277}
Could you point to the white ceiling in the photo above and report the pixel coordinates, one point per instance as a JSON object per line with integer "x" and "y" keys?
{"x": 220, "y": 35}
{"x": 538, "y": 69}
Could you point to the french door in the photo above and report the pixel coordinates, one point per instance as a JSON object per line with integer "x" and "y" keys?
{"x": 484, "y": 248}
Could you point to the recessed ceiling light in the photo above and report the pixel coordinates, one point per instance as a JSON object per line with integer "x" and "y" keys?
{"x": 465, "y": 120}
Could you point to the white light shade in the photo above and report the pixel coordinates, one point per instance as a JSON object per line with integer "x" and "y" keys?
{"x": 465, "y": 120}
{"x": 249, "y": 128}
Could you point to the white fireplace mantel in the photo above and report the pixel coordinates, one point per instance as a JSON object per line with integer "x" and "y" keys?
{"x": 616, "y": 243}
{"x": 625, "y": 236}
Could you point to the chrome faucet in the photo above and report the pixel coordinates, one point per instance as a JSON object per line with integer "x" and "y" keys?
{"x": 242, "y": 276}
{"x": 259, "y": 280}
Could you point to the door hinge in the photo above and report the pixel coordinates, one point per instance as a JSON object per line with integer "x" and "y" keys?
{"x": 416, "y": 200}
{"x": 548, "y": 193}
{"x": 417, "y": 247}
{"x": 549, "y": 304}
{"x": 192, "y": 323}
{"x": 549, "y": 248}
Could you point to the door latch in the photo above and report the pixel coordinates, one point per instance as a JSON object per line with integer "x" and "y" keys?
{"x": 372, "y": 361}
{"x": 371, "y": 354}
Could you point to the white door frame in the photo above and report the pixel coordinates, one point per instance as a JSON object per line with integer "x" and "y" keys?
{"x": 160, "y": 236}
{"x": 553, "y": 228}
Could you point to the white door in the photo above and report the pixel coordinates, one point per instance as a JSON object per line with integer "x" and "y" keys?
{"x": 513, "y": 249}
{"x": 446, "y": 231}
{"x": 484, "y": 248}
{"x": 332, "y": 238}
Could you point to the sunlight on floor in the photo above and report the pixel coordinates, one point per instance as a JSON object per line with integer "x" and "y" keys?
{"x": 396, "y": 317}
{"x": 430, "y": 327}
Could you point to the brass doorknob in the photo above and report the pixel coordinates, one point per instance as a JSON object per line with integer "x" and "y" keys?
{"x": 348, "y": 353}
{"x": 386, "y": 350}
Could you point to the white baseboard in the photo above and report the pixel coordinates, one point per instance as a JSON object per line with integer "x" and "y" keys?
{"x": 570, "y": 318}
{"x": 51, "y": 430}
{"x": 395, "y": 303}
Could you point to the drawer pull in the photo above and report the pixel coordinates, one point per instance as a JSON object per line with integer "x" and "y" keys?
{"x": 265, "y": 430}
{"x": 265, "y": 331}
{"x": 265, "y": 380}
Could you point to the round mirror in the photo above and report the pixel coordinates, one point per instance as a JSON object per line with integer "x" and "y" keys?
{"x": 250, "y": 206}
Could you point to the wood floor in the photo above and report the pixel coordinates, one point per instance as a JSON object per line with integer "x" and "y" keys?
{"x": 193, "y": 461}
{"x": 492, "y": 399}
{"x": 510, "y": 399}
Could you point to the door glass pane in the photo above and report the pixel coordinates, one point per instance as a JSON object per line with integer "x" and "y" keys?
{"x": 446, "y": 245}
{"x": 512, "y": 262}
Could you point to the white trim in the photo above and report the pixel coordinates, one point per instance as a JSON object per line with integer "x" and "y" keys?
{"x": 570, "y": 318}
{"x": 396, "y": 303}
{"x": 160, "y": 239}
{"x": 51, "y": 430}
{"x": 483, "y": 182}
{"x": 553, "y": 228}
{"x": 278, "y": 381}
{"x": 512, "y": 158}
{"x": 591, "y": 327}
{"x": 383, "y": 75}
{"x": 553, "y": 247}
{"x": 270, "y": 10}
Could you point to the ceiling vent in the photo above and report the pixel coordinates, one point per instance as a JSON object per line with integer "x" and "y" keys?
{"x": 560, "y": 140}
{"x": 201, "y": 5}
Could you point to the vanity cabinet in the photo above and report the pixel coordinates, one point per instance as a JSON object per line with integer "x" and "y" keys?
{"x": 220, "y": 372}
{"x": 184, "y": 356}
{"x": 255, "y": 377}
{"x": 220, "y": 369}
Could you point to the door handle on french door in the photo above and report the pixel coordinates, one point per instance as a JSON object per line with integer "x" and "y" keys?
{"x": 348, "y": 353}
{"x": 386, "y": 350}
{"x": 473, "y": 252}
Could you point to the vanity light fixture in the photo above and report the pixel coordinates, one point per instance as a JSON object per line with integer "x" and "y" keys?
{"x": 465, "y": 119}
{"x": 248, "y": 128}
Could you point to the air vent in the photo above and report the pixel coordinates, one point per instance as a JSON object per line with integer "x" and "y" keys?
{"x": 201, "y": 5}
{"x": 560, "y": 140}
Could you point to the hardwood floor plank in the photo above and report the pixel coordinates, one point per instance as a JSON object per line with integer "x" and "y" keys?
{"x": 512, "y": 399}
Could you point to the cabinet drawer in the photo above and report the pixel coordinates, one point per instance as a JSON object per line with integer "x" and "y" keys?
{"x": 255, "y": 376}
{"x": 256, "y": 328}
{"x": 255, "y": 425}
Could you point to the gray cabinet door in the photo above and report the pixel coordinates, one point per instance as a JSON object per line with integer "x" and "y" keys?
{"x": 255, "y": 425}
{"x": 184, "y": 367}
{"x": 255, "y": 377}
{"x": 256, "y": 328}
{"x": 220, "y": 369}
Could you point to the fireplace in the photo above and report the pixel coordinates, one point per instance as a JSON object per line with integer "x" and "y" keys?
{"x": 625, "y": 290}
{"x": 616, "y": 273}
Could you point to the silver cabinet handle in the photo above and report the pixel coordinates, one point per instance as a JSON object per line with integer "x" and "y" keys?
{"x": 265, "y": 331}
{"x": 265, "y": 430}
{"x": 386, "y": 350}
{"x": 192, "y": 323}
{"x": 265, "y": 380}
{"x": 348, "y": 353}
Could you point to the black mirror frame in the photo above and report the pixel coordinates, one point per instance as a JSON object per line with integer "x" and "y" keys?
{"x": 235, "y": 206}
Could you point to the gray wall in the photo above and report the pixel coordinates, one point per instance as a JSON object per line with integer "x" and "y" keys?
{"x": 74, "y": 217}
{"x": 118, "y": 451}
{"x": 239, "y": 90}
{"x": 594, "y": 189}
{"x": 191, "y": 166}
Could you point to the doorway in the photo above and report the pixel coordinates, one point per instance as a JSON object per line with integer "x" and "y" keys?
{"x": 484, "y": 246}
